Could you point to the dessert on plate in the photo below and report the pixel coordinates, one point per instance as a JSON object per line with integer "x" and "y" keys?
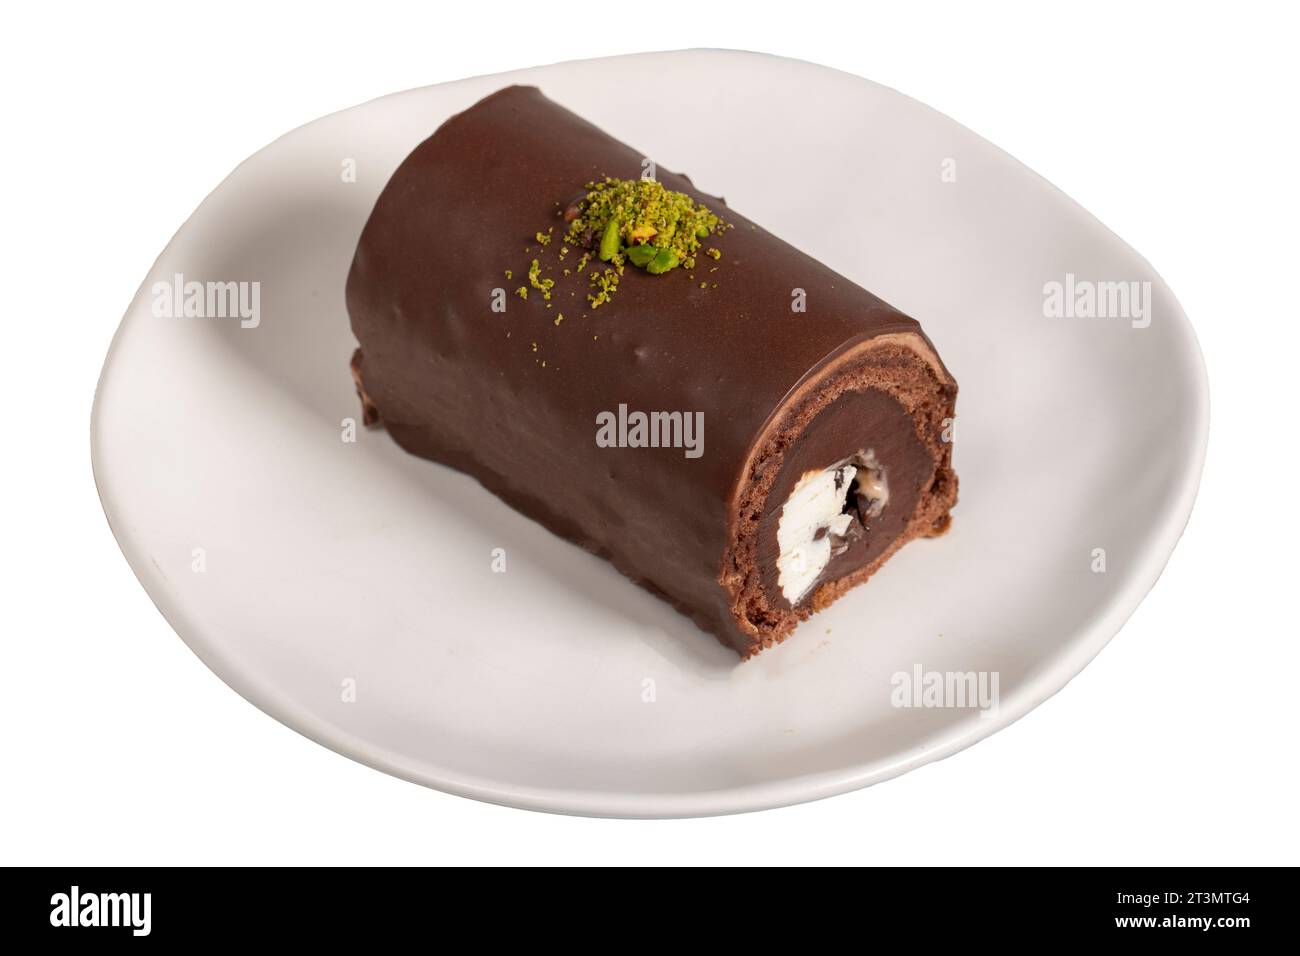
{"x": 644, "y": 371}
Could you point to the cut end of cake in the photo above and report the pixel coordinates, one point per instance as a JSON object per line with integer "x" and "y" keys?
{"x": 858, "y": 463}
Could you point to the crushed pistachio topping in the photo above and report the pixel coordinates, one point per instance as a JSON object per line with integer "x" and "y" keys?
{"x": 621, "y": 222}
{"x": 535, "y": 280}
{"x": 604, "y": 285}
{"x": 653, "y": 227}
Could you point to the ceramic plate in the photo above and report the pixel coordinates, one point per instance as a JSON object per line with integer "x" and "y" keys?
{"x": 349, "y": 590}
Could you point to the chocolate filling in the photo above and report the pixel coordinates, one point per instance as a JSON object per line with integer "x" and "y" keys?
{"x": 873, "y": 420}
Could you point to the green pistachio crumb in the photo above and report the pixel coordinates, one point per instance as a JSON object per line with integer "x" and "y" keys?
{"x": 621, "y": 222}
{"x": 664, "y": 260}
{"x": 605, "y": 285}
{"x": 651, "y": 226}
{"x": 535, "y": 280}
{"x": 609, "y": 241}
{"x": 640, "y": 256}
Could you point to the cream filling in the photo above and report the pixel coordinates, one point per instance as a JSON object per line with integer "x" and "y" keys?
{"x": 819, "y": 516}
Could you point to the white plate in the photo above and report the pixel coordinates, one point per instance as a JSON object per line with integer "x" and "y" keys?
{"x": 559, "y": 685}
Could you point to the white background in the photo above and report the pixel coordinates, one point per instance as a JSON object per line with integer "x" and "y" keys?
{"x": 1175, "y": 125}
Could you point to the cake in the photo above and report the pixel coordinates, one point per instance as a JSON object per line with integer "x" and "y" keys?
{"x": 644, "y": 371}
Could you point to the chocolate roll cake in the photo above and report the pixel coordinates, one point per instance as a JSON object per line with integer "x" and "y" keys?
{"x": 644, "y": 371}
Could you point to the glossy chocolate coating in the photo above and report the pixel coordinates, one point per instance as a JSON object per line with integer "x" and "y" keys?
{"x": 458, "y": 383}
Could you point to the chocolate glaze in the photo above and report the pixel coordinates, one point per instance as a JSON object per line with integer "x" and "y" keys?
{"x": 455, "y": 382}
